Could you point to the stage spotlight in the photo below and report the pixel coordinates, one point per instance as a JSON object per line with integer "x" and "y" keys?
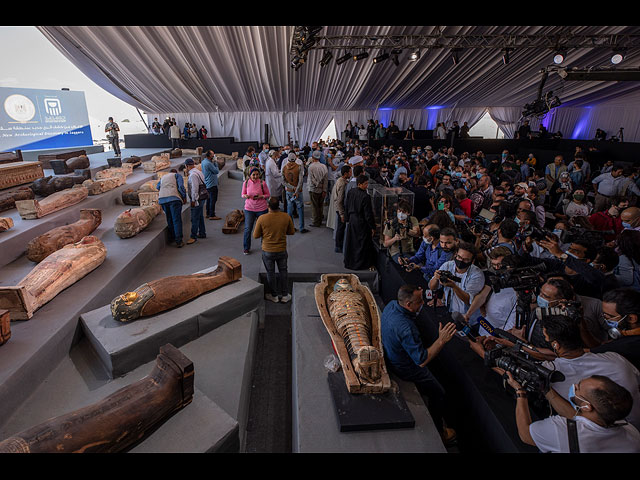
{"x": 343, "y": 58}
{"x": 381, "y": 58}
{"x": 326, "y": 58}
{"x": 558, "y": 57}
{"x": 505, "y": 56}
{"x": 360, "y": 56}
{"x": 617, "y": 57}
{"x": 414, "y": 56}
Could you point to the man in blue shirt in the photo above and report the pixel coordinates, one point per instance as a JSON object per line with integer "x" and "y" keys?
{"x": 405, "y": 354}
{"x": 210, "y": 170}
{"x": 431, "y": 254}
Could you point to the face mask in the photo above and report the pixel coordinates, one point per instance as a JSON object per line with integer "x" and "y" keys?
{"x": 478, "y": 175}
{"x": 570, "y": 254}
{"x": 440, "y": 206}
{"x": 427, "y": 240}
{"x": 542, "y": 302}
{"x": 626, "y": 225}
{"x": 578, "y": 197}
{"x": 517, "y": 220}
{"x": 457, "y": 174}
{"x": 384, "y": 174}
{"x": 572, "y": 395}
{"x": 402, "y": 216}
{"x": 462, "y": 265}
{"x": 557, "y": 232}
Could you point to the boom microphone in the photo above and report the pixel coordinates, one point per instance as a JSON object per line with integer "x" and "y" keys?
{"x": 499, "y": 333}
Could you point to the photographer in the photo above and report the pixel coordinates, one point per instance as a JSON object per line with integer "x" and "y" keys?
{"x": 563, "y": 333}
{"x": 498, "y": 307}
{"x": 400, "y": 232}
{"x": 458, "y": 295}
{"x": 407, "y": 357}
{"x": 431, "y": 254}
{"x": 621, "y": 312}
{"x": 600, "y": 403}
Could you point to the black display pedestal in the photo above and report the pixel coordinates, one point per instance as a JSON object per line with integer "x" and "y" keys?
{"x": 358, "y": 412}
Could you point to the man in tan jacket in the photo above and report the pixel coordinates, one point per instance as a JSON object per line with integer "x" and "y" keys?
{"x": 338, "y": 200}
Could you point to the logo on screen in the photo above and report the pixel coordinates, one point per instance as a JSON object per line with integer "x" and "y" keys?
{"x": 19, "y": 107}
{"x": 52, "y": 106}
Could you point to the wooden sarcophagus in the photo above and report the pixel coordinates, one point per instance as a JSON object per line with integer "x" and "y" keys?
{"x": 5, "y": 327}
{"x": 46, "y": 158}
{"x": 44, "y": 245}
{"x": 8, "y": 199}
{"x": 52, "y": 275}
{"x": 160, "y": 295}
{"x": 46, "y": 186}
{"x": 6, "y": 223}
{"x": 69, "y": 165}
{"x": 157, "y": 163}
{"x": 19, "y": 173}
{"x": 351, "y": 317}
{"x": 132, "y": 221}
{"x": 118, "y": 421}
{"x": 232, "y": 221}
{"x": 31, "y": 209}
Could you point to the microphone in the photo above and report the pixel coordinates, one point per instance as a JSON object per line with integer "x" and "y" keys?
{"x": 498, "y": 332}
{"x": 462, "y": 326}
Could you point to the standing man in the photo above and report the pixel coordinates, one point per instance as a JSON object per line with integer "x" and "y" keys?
{"x": 606, "y": 186}
{"x": 273, "y": 175}
{"x": 318, "y": 184}
{"x": 263, "y": 156}
{"x": 174, "y": 135}
{"x": 338, "y": 194}
{"x": 359, "y": 252}
{"x": 198, "y": 194}
{"x": 112, "y": 129}
{"x": 273, "y": 228}
{"x": 293, "y": 178}
{"x": 171, "y": 197}
{"x": 406, "y": 355}
{"x": 210, "y": 170}
{"x": 553, "y": 170}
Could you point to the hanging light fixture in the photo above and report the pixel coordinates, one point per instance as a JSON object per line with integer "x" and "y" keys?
{"x": 326, "y": 58}
{"x": 505, "y": 56}
{"x": 414, "y": 56}
{"x": 617, "y": 57}
{"x": 343, "y": 58}
{"x": 559, "y": 56}
{"x": 360, "y": 56}
{"x": 381, "y": 58}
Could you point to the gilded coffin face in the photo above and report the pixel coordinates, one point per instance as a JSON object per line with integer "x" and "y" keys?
{"x": 127, "y": 307}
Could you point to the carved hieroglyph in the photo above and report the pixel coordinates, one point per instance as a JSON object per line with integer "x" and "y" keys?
{"x": 131, "y": 222}
{"x": 44, "y": 245}
{"x": 232, "y": 221}
{"x": 8, "y": 199}
{"x": 157, "y": 162}
{"x": 30, "y": 209}
{"x": 6, "y": 223}
{"x": 19, "y": 173}
{"x": 350, "y": 315}
{"x": 96, "y": 187}
{"x": 159, "y": 295}
{"x": 52, "y": 275}
{"x": 119, "y": 420}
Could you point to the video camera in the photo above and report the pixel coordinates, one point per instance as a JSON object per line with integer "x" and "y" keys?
{"x": 524, "y": 278}
{"x": 596, "y": 237}
{"x": 537, "y": 233}
{"x": 529, "y": 373}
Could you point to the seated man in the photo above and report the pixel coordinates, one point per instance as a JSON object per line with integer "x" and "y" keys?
{"x": 600, "y": 405}
{"x": 407, "y": 357}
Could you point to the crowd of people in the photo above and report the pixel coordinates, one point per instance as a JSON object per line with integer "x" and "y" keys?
{"x": 170, "y": 128}
{"x": 477, "y": 229}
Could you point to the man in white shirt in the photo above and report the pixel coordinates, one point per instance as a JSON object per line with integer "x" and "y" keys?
{"x": 273, "y": 175}
{"x": 597, "y": 405}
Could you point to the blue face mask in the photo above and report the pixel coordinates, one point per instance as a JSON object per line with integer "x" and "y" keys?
{"x": 542, "y": 302}
{"x": 626, "y": 225}
{"x": 572, "y": 395}
{"x": 517, "y": 220}
{"x": 478, "y": 175}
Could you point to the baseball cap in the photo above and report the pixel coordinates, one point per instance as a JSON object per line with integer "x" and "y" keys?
{"x": 316, "y": 154}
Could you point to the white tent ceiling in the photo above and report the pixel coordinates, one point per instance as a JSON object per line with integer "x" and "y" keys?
{"x": 240, "y": 77}
{"x": 247, "y": 68}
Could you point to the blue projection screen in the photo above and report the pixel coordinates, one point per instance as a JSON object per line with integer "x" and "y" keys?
{"x": 33, "y": 119}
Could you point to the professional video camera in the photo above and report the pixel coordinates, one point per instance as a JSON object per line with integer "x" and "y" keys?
{"x": 537, "y": 233}
{"x": 529, "y": 373}
{"x": 523, "y": 278}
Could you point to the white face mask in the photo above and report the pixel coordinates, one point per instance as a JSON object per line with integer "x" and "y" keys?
{"x": 427, "y": 240}
{"x": 402, "y": 216}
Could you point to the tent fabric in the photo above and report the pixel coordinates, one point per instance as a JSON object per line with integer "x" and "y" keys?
{"x": 242, "y": 74}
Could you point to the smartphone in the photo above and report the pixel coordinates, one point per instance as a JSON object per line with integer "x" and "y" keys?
{"x": 486, "y": 214}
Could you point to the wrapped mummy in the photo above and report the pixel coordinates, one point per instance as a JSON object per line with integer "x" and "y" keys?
{"x": 348, "y": 311}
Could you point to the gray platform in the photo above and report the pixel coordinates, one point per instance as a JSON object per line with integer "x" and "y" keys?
{"x": 315, "y": 425}
{"x": 214, "y": 421}
{"x": 124, "y": 346}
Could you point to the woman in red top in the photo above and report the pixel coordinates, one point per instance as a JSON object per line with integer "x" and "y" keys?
{"x": 256, "y": 193}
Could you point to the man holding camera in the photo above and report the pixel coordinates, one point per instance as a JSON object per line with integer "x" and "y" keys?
{"x": 600, "y": 405}
{"x": 406, "y": 355}
{"x": 112, "y": 129}
{"x": 462, "y": 281}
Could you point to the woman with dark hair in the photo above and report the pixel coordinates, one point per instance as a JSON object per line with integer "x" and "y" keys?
{"x": 440, "y": 218}
{"x": 628, "y": 270}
